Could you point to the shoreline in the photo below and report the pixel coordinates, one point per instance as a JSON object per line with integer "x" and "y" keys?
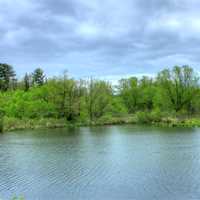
{"x": 14, "y": 124}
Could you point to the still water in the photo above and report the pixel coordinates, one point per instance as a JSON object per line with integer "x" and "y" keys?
{"x": 101, "y": 163}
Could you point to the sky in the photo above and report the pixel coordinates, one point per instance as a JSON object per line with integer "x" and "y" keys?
{"x": 111, "y": 38}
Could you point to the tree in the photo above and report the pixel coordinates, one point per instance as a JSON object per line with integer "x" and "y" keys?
{"x": 7, "y": 77}
{"x": 147, "y": 92}
{"x": 98, "y": 98}
{"x": 65, "y": 96}
{"x": 179, "y": 87}
{"x": 38, "y": 77}
{"x": 130, "y": 93}
{"x": 27, "y": 82}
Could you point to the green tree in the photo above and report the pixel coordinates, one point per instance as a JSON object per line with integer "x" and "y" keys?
{"x": 65, "y": 93}
{"x": 7, "y": 77}
{"x": 27, "y": 82}
{"x": 179, "y": 87}
{"x": 98, "y": 98}
{"x": 38, "y": 77}
{"x": 130, "y": 93}
{"x": 147, "y": 92}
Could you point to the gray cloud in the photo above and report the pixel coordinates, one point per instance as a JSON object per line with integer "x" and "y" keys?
{"x": 105, "y": 37}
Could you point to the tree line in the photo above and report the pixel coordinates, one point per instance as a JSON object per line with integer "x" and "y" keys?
{"x": 173, "y": 91}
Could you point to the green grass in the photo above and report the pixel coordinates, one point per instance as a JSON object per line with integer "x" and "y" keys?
{"x": 151, "y": 118}
{"x": 11, "y": 124}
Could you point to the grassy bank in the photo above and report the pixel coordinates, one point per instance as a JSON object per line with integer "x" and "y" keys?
{"x": 11, "y": 124}
{"x": 164, "y": 119}
{"x": 176, "y": 122}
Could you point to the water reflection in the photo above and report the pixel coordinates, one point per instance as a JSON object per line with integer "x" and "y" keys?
{"x": 109, "y": 162}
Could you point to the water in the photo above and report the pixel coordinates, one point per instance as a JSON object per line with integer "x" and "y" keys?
{"x": 101, "y": 163}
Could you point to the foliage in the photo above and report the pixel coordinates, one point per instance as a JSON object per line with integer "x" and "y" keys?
{"x": 7, "y": 77}
{"x": 180, "y": 87}
{"x": 38, "y": 77}
{"x": 2, "y": 113}
{"x": 27, "y": 82}
{"x": 171, "y": 94}
{"x": 129, "y": 92}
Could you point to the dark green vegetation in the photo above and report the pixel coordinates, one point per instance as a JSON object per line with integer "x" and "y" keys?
{"x": 172, "y": 98}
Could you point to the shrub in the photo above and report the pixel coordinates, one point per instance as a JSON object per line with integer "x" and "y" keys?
{"x": 156, "y": 115}
{"x": 143, "y": 117}
{"x": 149, "y": 117}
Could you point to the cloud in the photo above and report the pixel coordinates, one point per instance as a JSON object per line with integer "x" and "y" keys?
{"x": 99, "y": 37}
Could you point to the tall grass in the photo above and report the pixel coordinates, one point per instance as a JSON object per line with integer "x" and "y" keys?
{"x": 2, "y": 113}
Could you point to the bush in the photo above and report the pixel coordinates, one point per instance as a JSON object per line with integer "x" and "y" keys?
{"x": 143, "y": 117}
{"x": 105, "y": 119}
{"x": 156, "y": 116}
{"x": 149, "y": 117}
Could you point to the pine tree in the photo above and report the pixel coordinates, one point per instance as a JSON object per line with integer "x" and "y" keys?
{"x": 7, "y": 75}
{"x": 27, "y": 82}
{"x": 38, "y": 77}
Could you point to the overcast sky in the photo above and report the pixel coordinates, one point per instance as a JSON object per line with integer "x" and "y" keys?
{"x": 99, "y": 37}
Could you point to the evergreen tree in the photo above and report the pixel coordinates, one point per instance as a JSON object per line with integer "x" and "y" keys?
{"x": 27, "y": 82}
{"x": 7, "y": 77}
{"x": 38, "y": 77}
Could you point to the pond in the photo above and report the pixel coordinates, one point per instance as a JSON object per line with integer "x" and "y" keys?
{"x": 101, "y": 163}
